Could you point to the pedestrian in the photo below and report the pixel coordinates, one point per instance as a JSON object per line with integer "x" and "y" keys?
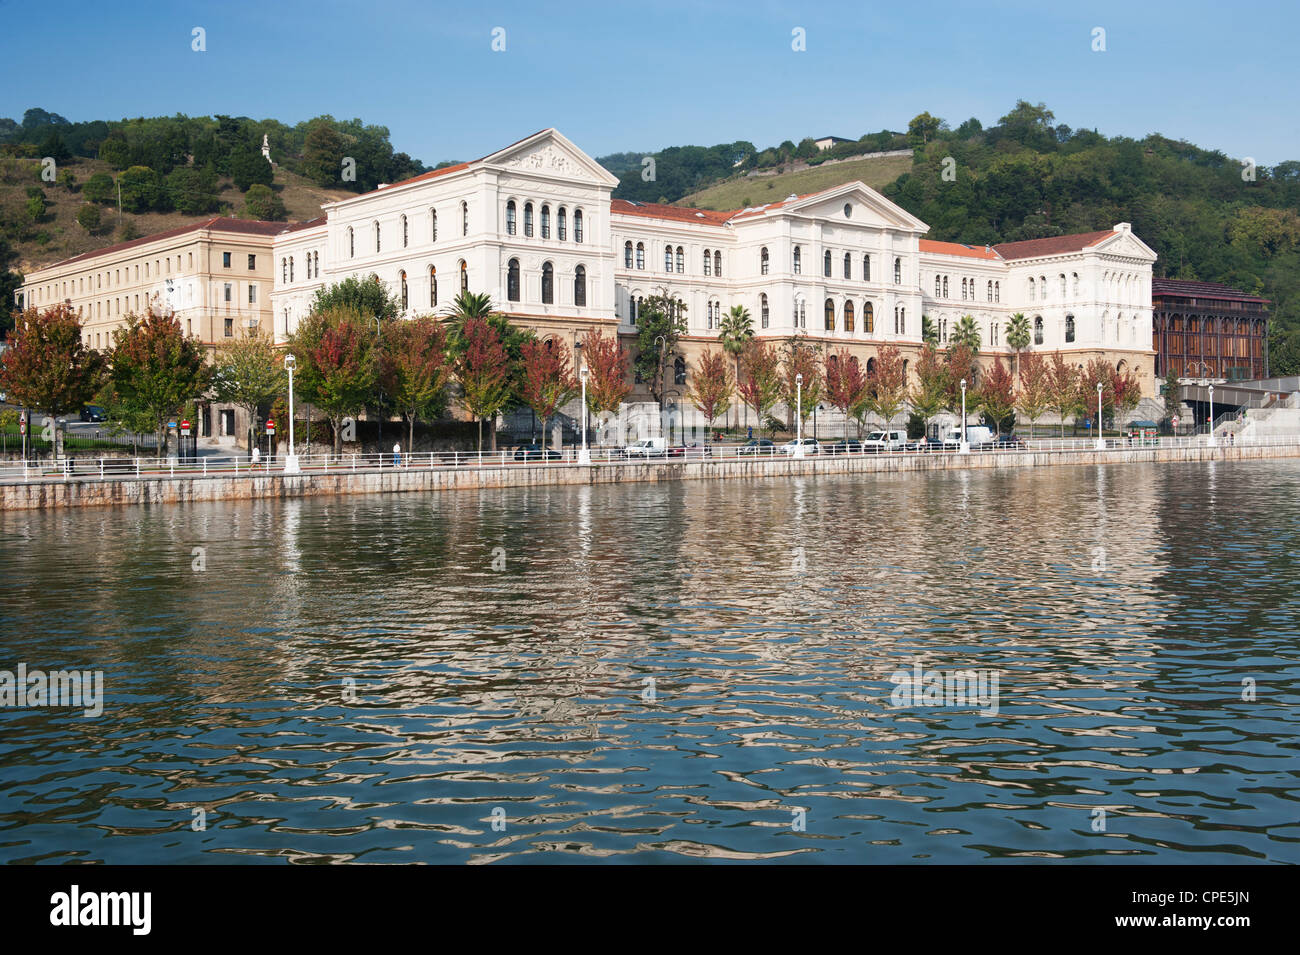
{"x": 257, "y": 453}
{"x": 397, "y": 455}
{"x": 751, "y": 433}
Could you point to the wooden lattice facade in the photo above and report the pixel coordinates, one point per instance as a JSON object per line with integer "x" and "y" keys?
{"x": 1207, "y": 330}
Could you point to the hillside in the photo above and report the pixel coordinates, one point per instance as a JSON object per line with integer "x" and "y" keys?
{"x": 752, "y": 190}
{"x": 56, "y": 235}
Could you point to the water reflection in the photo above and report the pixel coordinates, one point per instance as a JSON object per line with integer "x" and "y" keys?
{"x": 667, "y": 671}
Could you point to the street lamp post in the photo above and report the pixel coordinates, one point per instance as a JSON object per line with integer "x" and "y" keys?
{"x": 964, "y": 446}
{"x": 584, "y": 456}
{"x": 1212, "y": 442}
{"x": 798, "y": 416}
{"x": 1101, "y": 441}
{"x": 291, "y": 459}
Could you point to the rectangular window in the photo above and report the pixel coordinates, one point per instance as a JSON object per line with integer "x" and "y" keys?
{"x": 230, "y": 327}
{"x": 230, "y": 291}
{"x": 252, "y": 293}
{"x": 225, "y": 259}
{"x": 252, "y": 262}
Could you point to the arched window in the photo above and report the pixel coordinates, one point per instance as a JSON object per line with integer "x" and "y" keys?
{"x": 352, "y": 243}
{"x": 762, "y": 261}
{"x": 848, "y": 265}
{"x": 803, "y": 314}
{"x": 1031, "y": 288}
{"x": 898, "y": 271}
{"x": 548, "y": 282}
{"x": 708, "y": 263}
{"x": 762, "y": 308}
{"x": 406, "y": 299}
{"x": 866, "y": 268}
{"x": 868, "y": 318}
{"x": 938, "y": 287}
{"x": 376, "y": 224}
{"x": 681, "y": 259}
{"x": 464, "y": 218}
{"x": 510, "y": 217}
{"x": 848, "y": 316}
{"x": 284, "y": 269}
{"x": 668, "y": 258}
{"x": 433, "y": 287}
{"x": 546, "y": 222}
{"x": 512, "y": 280}
{"x": 627, "y": 254}
{"x": 997, "y": 291}
{"x": 1042, "y": 287}
{"x": 528, "y": 220}
{"x": 871, "y": 367}
{"x": 580, "y": 285}
{"x": 679, "y": 370}
{"x": 945, "y": 286}
{"x": 561, "y": 224}
{"x": 1062, "y": 282}
{"x": 1069, "y": 328}
{"x": 577, "y": 225}
{"x": 830, "y": 315}
{"x": 433, "y": 225}
{"x": 291, "y": 268}
{"x": 464, "y": 276}
{"x": 640, "y": 255}
{"x": 826, "y": 263}
{"x": 963, "y": 290}
{"x": 717, "y": 264}
{"x": 1076, "y": 283}
{"x": 1038, "y": 329}
{"x": 406, "y": 235}
{"x": 989, "y": 291}
{"x": 797, "y": 262}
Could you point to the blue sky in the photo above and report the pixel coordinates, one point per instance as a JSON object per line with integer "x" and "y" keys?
{"x": 642, "y": 76}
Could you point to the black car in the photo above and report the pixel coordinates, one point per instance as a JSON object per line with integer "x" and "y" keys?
{"x": 843, "y": 446}
{"x": 534, "y": 452}
{"x": 760, "y": 446}
{"x": 93, "y": 413}
{"x": 1007, "y": 442}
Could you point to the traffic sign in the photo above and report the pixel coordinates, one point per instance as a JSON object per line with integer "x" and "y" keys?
{"x": 185, "y": 428}
{"x": 270, "y": 427}
{"x": 22, "y": 425}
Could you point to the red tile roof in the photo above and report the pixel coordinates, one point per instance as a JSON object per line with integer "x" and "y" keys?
{"x": 1184, "y": 288}
{"x": 653, "y": 210}
{"x": 957, "y": 248}
{"x": 432, "y": 174}
{"x": 215, "y": 224}
{"x": 309, "y": 224}
{"x": 1055, "y": 245}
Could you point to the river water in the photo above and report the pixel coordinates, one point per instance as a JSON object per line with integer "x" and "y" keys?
{"x": 685, "y": 671}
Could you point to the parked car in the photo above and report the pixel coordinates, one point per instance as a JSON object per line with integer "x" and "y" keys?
{"x": 977, "y": 435}
{"x": 691, "y": 451}
{"x": 924, "y": 445}
{"x": 1007, "y": 442}
{"x": 93, "y": 413}
{"x": 891, "y": 440}
{"x": 647, "y": 448}
{"x": 760, "y": 446}
{"x": 843, "y": 446}
{"x": 810, "y": 446}
{"x": 534, "y": 452}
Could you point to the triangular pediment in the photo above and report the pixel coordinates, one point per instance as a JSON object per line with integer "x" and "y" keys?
{"x": 865, "y": 207}
{"x": 1126, "y": 243}
{"x": 550, "y": 153}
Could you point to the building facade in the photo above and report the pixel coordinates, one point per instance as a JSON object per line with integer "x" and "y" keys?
{"x": 1207, "y": 330}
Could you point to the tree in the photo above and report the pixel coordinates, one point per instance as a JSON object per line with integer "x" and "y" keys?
{"x": 192, "y": 191}
{"x": 607, "y": 364}
{"x": 416, "y": 370}
{"x": 88, "y": 218}
{"x": 735, "y": 332}
{"x": 547, "y": 382}
{"x": 846, "y": 386}
{"x": 47, "y": 367}
{"x": 712, "y": 386}
{"x": 761, "y": 386}
{"x": 248, "y": 167}
{"x": 801, "y": 358}
{"x": 142, "y": 190}
{"x": 483, "y": 370}
{"x": 261, "y": 203}
{"x": 996, "y": 394}
{"x": 248, "y": 372}
{"x": 99, "y": 188}
{"x": 115, "y": 151}
{"x": 966, "y": 333}
{"x": 959, "y": 360}
{"x": 338, "y": 365}
{"x": 887, "y": 384}
{"x": 1171, "y": 392}
{"x": 1035, "y": 388}
{"x": 368, "y": 298}
{"x": 468, "y": 305}
{"x": 929, "y": 334}
{"x": 930, "y": 393}
{"x": 155, "y": 368}
{"x": 1018, "y": 336}
{"x": 322, "y": 154}
{"x": 923, "y": 127}
{"x": 660, "y": 317}
{"x": 1063, "y": 388}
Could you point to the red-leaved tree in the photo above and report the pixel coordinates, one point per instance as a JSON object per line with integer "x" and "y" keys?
{"x": 846, "y": 385}
{"x": 47, "y": 366}
{"x": 760, "y": 388}
{"x": 607, "y": 364}
{"x": 712, "y": 387}
{"x": 548, "y": 380}
{"x": 483, "y": 370}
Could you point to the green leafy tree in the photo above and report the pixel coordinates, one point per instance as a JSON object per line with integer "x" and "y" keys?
{"x": 483, "y": 371}
{"x": 735, "y": 332}
{"x": 249, "y": 167}
{"x": 417, "y": 370}
{"x": 88, "y": 218}
{"x": 99, "y": 188}
{"x": 966, "y": 333}
{"x": 338, "y": 364}
{"x": 249, "y": 373}
{"x": 368, "y": 298}
{"x": 661, "y": 322}
{"x": 930, "y": 393}
{"x": 155, "y": 368}
{"x": 261, "y": 203}
{"x": 142, "y": 190}
{"x": 192, "y": 191}
{"x": 923, "y": 128}
{"x": 1172, "y": 391}
{"x": 1018, "y": 336}
{"x": 929, "y": 334}
{"x": 761, "y": 386}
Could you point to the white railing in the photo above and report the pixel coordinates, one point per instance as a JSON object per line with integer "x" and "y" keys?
{"x": 83, "y": 468}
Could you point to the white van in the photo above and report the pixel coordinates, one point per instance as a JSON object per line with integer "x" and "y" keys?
{"x": 891, "y": 440}
{"x": 976, "y": 435}
{"x": 647, "y": 448}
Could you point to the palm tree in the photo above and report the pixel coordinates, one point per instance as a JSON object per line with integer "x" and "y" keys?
{"x": 929, "y": 334}
{"x": 1018, "y": 337}
{"x": 735, "y": 332}
{"x": 966, "y": 333}
{"x": 466, "y": 306}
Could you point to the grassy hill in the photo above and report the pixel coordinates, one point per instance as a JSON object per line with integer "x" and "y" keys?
{"x": 58, "y": 236}
{"x": 741, "y": 191}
